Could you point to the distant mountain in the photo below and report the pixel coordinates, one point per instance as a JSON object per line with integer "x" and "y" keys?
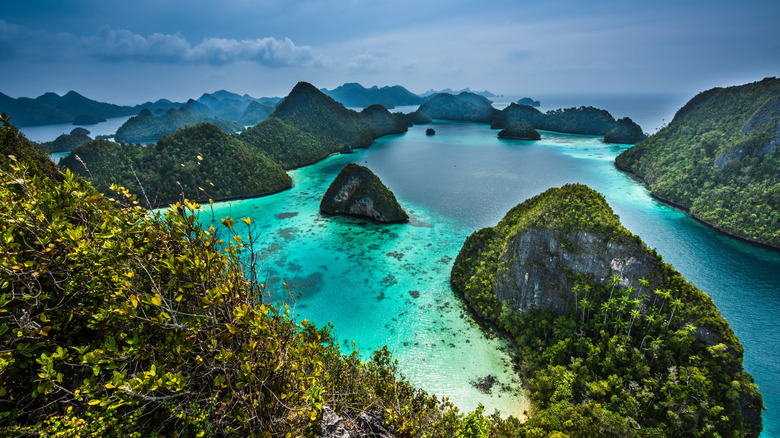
{"x": 485, "y": 93}
{"x": 50, "y": 108}
{"x": 147, "y": 127}
{"x": 355, "y": 95}
{"x": 254, "y": 113}
{"x": 719, "y": 158}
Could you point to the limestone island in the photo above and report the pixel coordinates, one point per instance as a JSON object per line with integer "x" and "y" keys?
{"x": 357, "y": 191}
{"x": 430, "y": 131}
{"x": 607, "y": 333}
{"x": 519, "y": 131}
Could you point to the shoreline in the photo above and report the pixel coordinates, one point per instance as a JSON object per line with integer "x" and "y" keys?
{"x": 688, "y": 213}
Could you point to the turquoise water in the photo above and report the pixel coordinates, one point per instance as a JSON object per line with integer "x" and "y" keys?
{"x": 389, "y": 284}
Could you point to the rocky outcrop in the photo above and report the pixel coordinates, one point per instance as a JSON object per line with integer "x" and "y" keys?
{"x": 368, "y": 424}
{"x": 530, "y": 259}
{"x": 357, "y": 191}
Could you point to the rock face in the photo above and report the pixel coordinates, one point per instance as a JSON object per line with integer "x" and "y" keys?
{"x": 357, "y": 191}
{"x": 540, "y": 263}
{"x": 529, "y": 258}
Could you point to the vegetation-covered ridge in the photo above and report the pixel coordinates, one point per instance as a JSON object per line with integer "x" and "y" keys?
{"x": 198, "y": 162}
{"x": 719, "y": 158}
{"x": 612, "y": 339}
{"x": 149, "y": 127}
{"x": 341, "y": 129}
{"x": 357, "y": 191}
{"x": 118, "y": 322}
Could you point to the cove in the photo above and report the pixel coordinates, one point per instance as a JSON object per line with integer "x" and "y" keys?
{"x": 389, "y": 285}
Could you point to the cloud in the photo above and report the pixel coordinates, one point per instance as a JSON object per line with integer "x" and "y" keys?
{"x": 113, "y": 45}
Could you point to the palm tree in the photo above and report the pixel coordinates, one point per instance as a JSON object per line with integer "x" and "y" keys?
{"x": 576, "y": 290}
{"x": 634, "y": 315}
{"x": 615, "y": 281}
{"x": 605, "y": 308}
{"x": 586, "y": 305}
{"x": 675, "y": 304}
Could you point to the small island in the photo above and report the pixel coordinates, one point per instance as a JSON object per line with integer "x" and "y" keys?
{"x": 356, "y": 191}
{"x": 530, "y": 102}
{"x": 519, "y": 131}
{"x": 430, "y": 131}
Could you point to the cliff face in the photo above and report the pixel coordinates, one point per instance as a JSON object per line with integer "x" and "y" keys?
{"x": 539, "y": 265}
{"x": 357, "y": 191}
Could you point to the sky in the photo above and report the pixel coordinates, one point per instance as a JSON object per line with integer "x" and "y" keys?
{"x": 130, "y": 52}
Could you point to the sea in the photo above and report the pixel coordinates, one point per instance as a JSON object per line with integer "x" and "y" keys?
{"x": 389, "y": 284}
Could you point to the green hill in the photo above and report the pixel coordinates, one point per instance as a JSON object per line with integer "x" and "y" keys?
{"x": 610, "y": 337}
{"x": 149, "y": 127}
{"x": 463, "y": 107}
{"x": 66, "y": 142}
{"x": 310, "y": 110}
{"x": 199, "y": 161}
{"x": 286, "y": 144}
{"x": 719, "y": 159}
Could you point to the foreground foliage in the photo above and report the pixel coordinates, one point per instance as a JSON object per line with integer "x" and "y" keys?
{"x": 118, "y": 322}
{"x": 657, "y": 359}
{"x": 719, "y": 158}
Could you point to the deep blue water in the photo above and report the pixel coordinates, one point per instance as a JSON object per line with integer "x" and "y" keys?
{"x": 388, "y": 285}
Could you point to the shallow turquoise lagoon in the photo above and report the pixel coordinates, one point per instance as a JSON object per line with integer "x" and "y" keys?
{"x": 389, "y": 284}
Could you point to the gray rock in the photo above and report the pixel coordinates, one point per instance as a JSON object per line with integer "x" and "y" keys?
{"x": 332, "y": 425}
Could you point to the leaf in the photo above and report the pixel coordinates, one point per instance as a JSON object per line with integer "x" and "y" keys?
{"x": 157, "y": 300}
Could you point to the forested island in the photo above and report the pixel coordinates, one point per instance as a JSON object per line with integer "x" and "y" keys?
{"x": 583, "y": 120}
{"x": 719, "y": 160}
{"x": 605, "y": 329}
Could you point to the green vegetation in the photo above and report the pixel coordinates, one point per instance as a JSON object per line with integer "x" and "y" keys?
{"x": 464, "y": 107}
{"x": 625, "y": 132}
{"x": 285, "y": 144}
{"x": 199, "y": 162}
{"x": 652, "y": 360}
{"x": 719, "y": 158}
{"x": 148, "y": 127}
{"x": 254, "y": 113}
{"x": 339, "y": 128}
{"x": 66, "y": 142}
{"x": 357, "y": 191}
{"x": 355, "y": 95}
{"x": 519, "y": 131}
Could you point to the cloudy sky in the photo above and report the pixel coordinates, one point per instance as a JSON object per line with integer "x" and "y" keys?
{"x": 132, "y": 51}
